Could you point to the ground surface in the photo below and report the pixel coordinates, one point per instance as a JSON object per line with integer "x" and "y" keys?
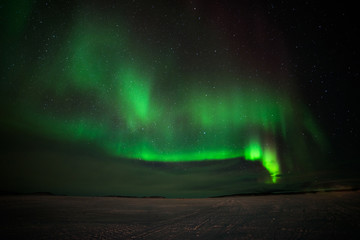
{"x": 332, "y": 215}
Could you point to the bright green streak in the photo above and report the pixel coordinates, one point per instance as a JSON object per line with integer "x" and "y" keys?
{"x": 253, "y": 151}
{"x": 107, "y": 92}
{"x": 270, "y": 162}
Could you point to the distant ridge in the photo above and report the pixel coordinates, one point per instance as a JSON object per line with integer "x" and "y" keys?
{"x": 264, "y": 193}
{"x": 10, "y": 193}
{"x": 287, "y": 192}
{"x": 120, "y": 196}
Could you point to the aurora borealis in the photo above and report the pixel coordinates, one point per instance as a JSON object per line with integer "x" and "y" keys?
{"x": 156, "y": 83}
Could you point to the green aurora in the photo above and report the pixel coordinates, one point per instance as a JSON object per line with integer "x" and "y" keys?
{"x": 106, "y": 87}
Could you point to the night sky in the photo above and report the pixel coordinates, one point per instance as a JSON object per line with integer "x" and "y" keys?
{"x": 178, "y": 98}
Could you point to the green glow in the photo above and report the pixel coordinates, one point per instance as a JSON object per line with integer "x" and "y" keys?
{"x": 135, "y": 94}
{"x": 253, "y": 151}
{"x": 104, "y": 89}
{"x": 270, "y": 162}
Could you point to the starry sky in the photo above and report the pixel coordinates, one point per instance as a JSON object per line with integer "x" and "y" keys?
{"x": 177, "y": 98}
